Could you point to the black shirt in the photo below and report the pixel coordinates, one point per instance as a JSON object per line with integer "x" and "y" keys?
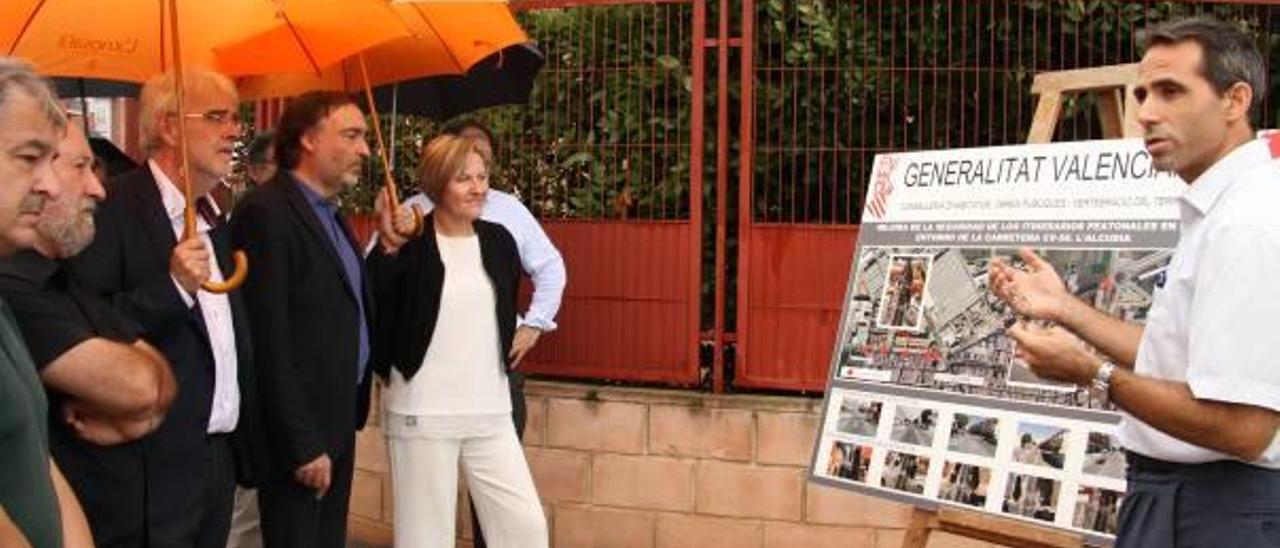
{"x": 55, "y": 311}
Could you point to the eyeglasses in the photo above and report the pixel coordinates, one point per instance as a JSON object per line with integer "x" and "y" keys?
{"x": 218, "y": 117}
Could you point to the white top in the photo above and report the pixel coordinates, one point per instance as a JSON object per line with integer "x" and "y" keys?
{"x": 216, "y": 309}
{"x": 1211, "y": 323}
{"x": 462, "y": 372}
{"x": 538, "y": 256}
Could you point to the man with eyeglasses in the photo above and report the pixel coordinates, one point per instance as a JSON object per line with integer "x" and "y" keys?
{"x": 152, "y": 272}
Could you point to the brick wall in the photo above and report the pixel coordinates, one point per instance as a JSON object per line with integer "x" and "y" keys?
{"x": 646, "y": 468}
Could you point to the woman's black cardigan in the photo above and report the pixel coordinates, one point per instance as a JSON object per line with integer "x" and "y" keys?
{"x": 407, "y": 287}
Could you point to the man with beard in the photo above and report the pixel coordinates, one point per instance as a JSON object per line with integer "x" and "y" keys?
{"x": 106, "y": 385}
{"x": 153, "y": 273}
{"x": 311, "y": 308}
{"x": 36, "y": 504}
{"x": 1197, "y": 384}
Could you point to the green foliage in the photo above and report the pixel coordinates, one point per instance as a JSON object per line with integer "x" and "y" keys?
{"x": 839, "y": 81}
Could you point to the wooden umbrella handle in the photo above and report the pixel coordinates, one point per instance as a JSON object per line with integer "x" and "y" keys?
{"x": 237, "y": 277}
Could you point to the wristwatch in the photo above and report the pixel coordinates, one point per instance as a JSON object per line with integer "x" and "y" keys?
{"x": 1102, "y": 378}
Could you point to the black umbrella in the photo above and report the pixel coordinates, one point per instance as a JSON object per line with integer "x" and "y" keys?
{"x": 114, "y": 160}
{"x": 504, "y": 78}
{"x": 91, "y": 87}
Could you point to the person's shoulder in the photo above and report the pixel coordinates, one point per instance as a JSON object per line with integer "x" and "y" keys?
{"x": 1253, "y": 203}
{"x": 496, "y": 232}
{"x": 507, "y": 204}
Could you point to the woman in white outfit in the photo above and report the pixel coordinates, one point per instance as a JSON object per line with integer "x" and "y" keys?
{"x": 446, "y": 319}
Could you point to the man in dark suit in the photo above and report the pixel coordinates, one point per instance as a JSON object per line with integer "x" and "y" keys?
{"x": 311, "y": 311}
{"x": 154, "y": 279}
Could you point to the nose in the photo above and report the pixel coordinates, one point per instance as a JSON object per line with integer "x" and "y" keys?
{"x": 1148, "y": 113}
{"x": 93, "y": 188}
{"x": 46, "y": 182}
{"x": 363, "y": 149}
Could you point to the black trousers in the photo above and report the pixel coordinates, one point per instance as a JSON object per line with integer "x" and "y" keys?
{"x": 293, "y": 518}
{"x": 219, "y": 494}
{"x": 520, "y": 416}
{"x": 1210, "y": 505}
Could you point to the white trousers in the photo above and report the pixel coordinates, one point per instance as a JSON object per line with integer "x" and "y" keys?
{"x": 426, "y": 454}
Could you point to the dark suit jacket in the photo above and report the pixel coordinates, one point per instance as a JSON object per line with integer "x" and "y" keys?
{"x": 128, "y": 263}
{"x": 408, "y": 286}
{"x": 306, "y": 326}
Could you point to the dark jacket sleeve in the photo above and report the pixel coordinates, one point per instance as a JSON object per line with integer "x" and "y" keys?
{"x": 292, "y": 431}
{"x": 152, "y": 304}
{"x": 386, "y": 279}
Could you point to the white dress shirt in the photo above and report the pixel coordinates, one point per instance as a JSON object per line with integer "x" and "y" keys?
{"x": 538, "y": 256}
{"x": 216, "y": 309}
{"x": 1210, "y": 324}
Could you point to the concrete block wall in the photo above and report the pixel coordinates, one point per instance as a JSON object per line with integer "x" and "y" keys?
{"x": 648, "y": 468}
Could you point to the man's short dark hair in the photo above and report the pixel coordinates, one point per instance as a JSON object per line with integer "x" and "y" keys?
{"x": 456, "y": 127}
{"x": 300, "y": 115}
{"x": 260, "y": 146}
{"x": 1229, "y": 55}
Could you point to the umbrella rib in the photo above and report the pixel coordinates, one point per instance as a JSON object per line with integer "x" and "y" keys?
{"x": 297, "y": 36}
{"x": 25, "y": 27}
{"x": 418, "y": 9}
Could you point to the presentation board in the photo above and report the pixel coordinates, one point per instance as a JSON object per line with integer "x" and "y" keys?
{"x": 926, "y": 400}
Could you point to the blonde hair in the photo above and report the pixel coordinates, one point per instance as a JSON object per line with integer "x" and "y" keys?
{"x": 159, "y": 96}
{"x": 442, "y": 159}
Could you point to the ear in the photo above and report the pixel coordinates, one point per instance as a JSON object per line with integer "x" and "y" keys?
{"x": 308, "y": 140}
{"x": 167, "y": 128}
{"x": 1236, "y": 100}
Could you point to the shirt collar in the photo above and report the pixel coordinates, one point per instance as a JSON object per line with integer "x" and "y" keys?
{"x": 174, "y": 200}
{"x": 30, "y": 265}
{"x": 1210, "y": 185}
{"x": 314, "y": 198}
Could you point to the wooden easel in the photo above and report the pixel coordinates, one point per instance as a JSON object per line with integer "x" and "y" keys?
{"x": 984, "y": 527}
{"x": 1114, "y": 86}
{"x": 1118, "y": 112}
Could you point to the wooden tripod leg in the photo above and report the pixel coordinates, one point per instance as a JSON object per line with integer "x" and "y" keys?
{"x": 1046, "y": 117}
{"x": 921, "y": 527}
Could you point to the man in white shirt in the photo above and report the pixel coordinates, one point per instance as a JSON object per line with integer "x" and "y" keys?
{"x": 153, "y": 273}
{"x": 1199, "y": 386}
{"x": 538, "y": 257}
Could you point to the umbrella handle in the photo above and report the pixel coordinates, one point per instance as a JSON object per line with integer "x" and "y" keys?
{"x": 236, "y": 279}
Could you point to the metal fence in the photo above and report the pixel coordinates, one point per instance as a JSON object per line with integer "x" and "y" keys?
{"x": 606, "y": 154}
{"x": 628, "y": 132}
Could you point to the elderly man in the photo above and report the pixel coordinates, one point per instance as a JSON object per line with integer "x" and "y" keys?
{"x": 38, "y": 505}
{"x": 153, "y": 273}
{"x": 311, "y": 309}
{"x": 1198, "y": 386}
{"x": 109, "y": 386}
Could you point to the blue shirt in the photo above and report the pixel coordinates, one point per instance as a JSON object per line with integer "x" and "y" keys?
{"x": 327, "y": 213}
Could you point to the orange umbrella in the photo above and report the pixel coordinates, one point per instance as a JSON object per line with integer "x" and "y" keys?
{"x": 133, "y": 40}
{"x": 444, "y": 38}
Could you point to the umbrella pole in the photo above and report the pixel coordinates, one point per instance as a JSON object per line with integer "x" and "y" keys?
{"x": 393, "y": 199}
{"x": 395, "y": 97}
{"x": 189, "y": 214}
